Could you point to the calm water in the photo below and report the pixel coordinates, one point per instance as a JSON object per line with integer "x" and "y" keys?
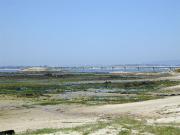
{"x": 9, "y": 70}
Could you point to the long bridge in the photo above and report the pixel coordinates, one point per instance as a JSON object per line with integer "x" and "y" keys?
{"x": 121, "y": 67}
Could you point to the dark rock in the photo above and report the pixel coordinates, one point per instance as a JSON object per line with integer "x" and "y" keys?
{"x": 7, "y": 132}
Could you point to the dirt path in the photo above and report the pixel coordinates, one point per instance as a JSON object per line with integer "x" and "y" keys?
{"x": 38, "y": 118}
{"x": 146, "y": 108}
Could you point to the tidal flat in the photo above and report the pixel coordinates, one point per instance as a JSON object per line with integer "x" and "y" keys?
{"x": 68, "y": 103}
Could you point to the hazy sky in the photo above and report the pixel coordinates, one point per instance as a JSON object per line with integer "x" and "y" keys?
{"x": 84, "y": 32}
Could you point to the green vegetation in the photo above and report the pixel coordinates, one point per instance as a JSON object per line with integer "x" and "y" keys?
{"x": 40, "y": 131}
{"x": 123, "y": 126}
{"x": 98, "y": 100}
{"x": 105, "y": 92}
{"x": 66, "y": 77}
{"x": 38, "y": 88}
{"x": 36, "y": 85}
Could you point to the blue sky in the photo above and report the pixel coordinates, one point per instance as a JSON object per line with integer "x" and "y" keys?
{"x": 88, "y": 32}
